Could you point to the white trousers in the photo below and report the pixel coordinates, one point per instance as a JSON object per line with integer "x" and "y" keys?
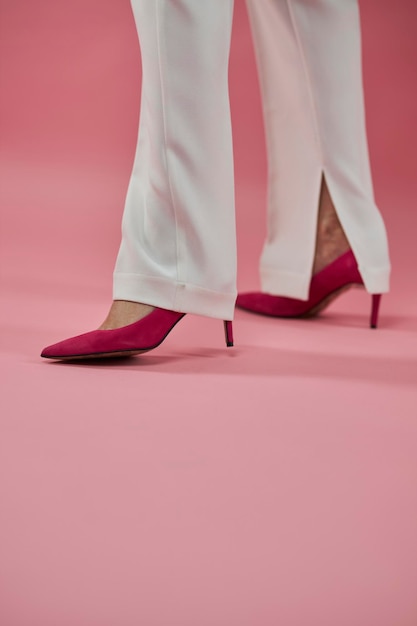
{"x": 178, "y": 248}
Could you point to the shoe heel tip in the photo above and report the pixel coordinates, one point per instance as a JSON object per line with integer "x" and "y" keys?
{"x": 228, "y": 333}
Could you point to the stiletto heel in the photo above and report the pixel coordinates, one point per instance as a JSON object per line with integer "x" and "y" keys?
{"x": 141, "y": 336}
{"x": 376, "y": 301}
{"x": 228, "y": 333}
{"x": 325, "y": 286}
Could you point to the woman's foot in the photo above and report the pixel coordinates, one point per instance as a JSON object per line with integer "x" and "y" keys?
{"x": 124, "y": 312}
{"x": 136, "y": 337}
{"x": 150, "y": 327}
{"x": 325, "y": 286}
{"x": 334, "y": 270}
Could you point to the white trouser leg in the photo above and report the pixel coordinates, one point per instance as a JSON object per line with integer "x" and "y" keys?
{"x": 178, "y": 247}
{"x": 309, "y": 60}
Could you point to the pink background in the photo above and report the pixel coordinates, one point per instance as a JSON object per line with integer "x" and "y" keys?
{"x": 275, "y": 483}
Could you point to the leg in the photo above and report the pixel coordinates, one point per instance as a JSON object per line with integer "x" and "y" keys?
{"x": 178, "y": 251}
{"x": 308, "y": 56}
{"x": 178, "y": 243}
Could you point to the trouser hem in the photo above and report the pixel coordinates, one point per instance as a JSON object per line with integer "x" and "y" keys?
{"x": 376, "y": 279}
{"x": 173, "y": 295}
{"x": 290, "y": 285}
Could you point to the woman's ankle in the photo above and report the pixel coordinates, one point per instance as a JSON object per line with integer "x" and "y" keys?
{"x": 331, "y": 241}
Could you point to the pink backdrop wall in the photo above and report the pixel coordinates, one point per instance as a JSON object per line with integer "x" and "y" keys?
{"x": 271, "y": 484}
{"x": 70, "y": 85}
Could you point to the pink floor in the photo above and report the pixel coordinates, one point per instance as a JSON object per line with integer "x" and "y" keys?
{"x": 274, "y": 483}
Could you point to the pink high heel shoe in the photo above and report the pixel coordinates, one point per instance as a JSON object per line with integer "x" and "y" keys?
{"x": 325, "y": 286}
{"x": 146, "y": 334}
